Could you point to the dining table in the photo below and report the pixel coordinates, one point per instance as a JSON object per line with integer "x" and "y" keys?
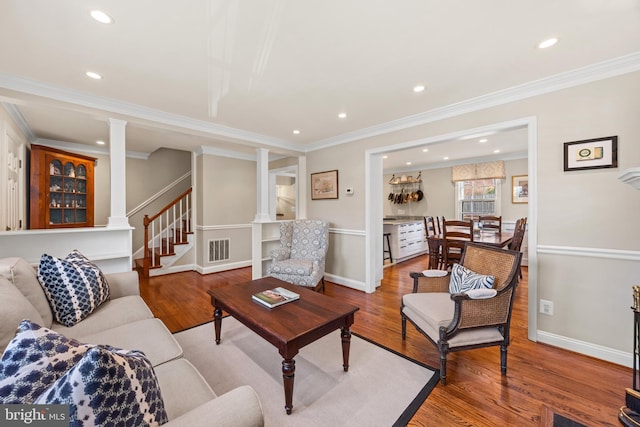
{"x": 488, "y": 237}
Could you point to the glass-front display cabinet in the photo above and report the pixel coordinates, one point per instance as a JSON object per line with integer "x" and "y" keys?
{"x": 61, "y": 190}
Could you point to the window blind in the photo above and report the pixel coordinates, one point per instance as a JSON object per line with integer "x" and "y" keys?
{"x": 490, "y": 170}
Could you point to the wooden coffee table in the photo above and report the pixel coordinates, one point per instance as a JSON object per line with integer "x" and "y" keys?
{"x": 288, "y": 327}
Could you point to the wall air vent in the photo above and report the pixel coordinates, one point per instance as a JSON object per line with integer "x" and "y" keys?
{"x": 219, "y": 250}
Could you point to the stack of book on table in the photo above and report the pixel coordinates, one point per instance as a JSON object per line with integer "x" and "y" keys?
{"x": 275, "y": 297}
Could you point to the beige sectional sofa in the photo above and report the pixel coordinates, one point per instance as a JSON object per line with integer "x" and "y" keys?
{"x": 125, "y": 321}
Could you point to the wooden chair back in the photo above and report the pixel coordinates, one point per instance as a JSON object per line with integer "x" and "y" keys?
{"x": 518, "y": 234}
{"x": 490, "y": 222}
{"x": 429, "y": 226}
{"x": 455, "y": 234}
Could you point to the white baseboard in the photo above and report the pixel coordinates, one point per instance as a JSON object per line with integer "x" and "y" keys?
{"x": 169, "y": 270}
{"x": 599, "y": 352}
{"x": 222, "y": 267}
{"x": 349, "y": 283}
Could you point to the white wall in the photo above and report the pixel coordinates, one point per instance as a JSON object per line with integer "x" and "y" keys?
{"x": 587, "y": 233}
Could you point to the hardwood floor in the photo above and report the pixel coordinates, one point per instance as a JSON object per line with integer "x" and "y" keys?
{"x": 540, "y": 379}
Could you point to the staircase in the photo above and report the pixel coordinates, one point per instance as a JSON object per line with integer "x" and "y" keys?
{"x": 167, "y": 236}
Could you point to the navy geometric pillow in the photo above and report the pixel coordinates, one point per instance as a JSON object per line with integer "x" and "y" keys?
{"x": 109, "y": 386}
{"x": 74, "y": 286}
{"x": 462, "y": 279}
{"x": 33, "y": 360}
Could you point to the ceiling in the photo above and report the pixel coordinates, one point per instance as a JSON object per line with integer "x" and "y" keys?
{"x": 234, "y": 75}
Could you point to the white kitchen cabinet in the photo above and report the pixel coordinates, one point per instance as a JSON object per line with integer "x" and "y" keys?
{"x": 408, "y": 239}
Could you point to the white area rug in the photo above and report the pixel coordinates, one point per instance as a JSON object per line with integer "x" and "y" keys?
{"x": 381, "y": 388}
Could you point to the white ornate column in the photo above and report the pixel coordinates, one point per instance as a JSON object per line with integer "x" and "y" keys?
{"x": 117, "y": 153}
{"x": 262, "y": 176}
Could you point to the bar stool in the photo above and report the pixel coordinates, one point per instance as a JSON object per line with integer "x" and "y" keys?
{"x": 388, "y": 250}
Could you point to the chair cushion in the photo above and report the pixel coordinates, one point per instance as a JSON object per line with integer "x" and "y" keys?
{"x": 462, "y": 279}
{"x": 23, "y": 276}
{"x": 34, "y": 360}
{"x": 298, "y": 266}
{"x": 431, "y": 310}
{"x": 107, "y": 387}
{"x": 74, "y": 286}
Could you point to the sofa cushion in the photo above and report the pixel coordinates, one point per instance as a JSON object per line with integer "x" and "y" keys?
{"x": 15, "y": 308}
{"x": 113, "y": 313}
{"x": 150, "y": 336}
{"x": 23, "y": 276}
{"x": 109, "y": 386}
{"x": 183, "y": 387}
{"x": 34, "y": 360}
{"x": 74, "y": 286}
{"x": 462, "y": 279}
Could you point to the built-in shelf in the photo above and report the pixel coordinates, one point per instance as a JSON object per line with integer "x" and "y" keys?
{"x": 631, "y": 177}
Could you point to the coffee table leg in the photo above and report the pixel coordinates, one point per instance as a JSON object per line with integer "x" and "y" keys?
{"x": 217, "y": 321}
{"x": 288, "y": 372}
{"x": 346, "y": 344}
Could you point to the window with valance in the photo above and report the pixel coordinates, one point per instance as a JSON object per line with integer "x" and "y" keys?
{"x": 477, "y": 189}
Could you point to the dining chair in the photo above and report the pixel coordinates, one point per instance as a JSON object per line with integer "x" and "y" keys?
{"x": 434, "y": 243}
{"x": 455, "y": 234}
{"x": 490, "y": 222}
{"x": 467, "y": 319}
{"x": 518, "y": 237}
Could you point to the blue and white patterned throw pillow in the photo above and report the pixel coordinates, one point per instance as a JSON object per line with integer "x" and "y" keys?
{"x": 33, "y": 360}
{"x": 109, "y": 387}
{"x": 74, "y": 286}
{"x": 463, "y": 279}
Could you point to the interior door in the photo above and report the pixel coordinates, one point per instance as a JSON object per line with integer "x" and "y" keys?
{"x": 13, "y": 183}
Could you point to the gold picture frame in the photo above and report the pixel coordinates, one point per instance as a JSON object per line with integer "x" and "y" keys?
{"x": 324, "y": 185}
{"x": 520, "y": 189}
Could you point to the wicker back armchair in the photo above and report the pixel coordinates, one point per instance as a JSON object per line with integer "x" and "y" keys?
{"x": 455, "y": 322}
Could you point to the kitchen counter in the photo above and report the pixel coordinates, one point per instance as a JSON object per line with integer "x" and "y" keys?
{"x": 408, "y": 238}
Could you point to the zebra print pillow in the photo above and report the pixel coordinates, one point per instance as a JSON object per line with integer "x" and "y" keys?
{"x": 463, "y": 279}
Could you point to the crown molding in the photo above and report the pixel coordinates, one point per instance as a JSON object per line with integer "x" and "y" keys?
{"x": 129, "y": 110}
{"x": 86, "y": 149}
{"x": 19, "y": 119}
{"x": 594, "y": 72}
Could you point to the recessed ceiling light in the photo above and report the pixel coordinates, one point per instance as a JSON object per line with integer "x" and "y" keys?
{"x": 99, "y": 142}
{"x": 408, "y": 163}
{"x": 548, "y": 43}
{"x": 496, "y": 151}
{"x": 93, "y": 75}
{"x": 418, "y": 88}
{"x": 483, "y": 140}
{"x": 342, "y": 115}
{"x": 296, "y": 131}
{"x": 102, "y": 17}
{"x": 385, "y": 157}
{"x": 424, "y": 150}
{"x": 445, "y": 158}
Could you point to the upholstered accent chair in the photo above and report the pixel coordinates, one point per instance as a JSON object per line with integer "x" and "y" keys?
{"x": 301, "y": 257}
{"x": 471, "y": 319}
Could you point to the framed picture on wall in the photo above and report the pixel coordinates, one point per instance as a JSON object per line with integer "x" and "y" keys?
{"x": 591, "y": 154}
{"x": 520, "y": 189}
{"x": 324, "y": 185}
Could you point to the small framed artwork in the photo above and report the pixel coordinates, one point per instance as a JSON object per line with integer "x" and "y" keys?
{"x": 520, "y": 189}
{"x": 324, "y": 185}
{"x": 596, "y": 153}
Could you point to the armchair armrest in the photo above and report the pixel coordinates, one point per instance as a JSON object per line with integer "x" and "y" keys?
{"x": 238, "y": 407}
{"x": 123, "y": 284}
{"x": 421, "y": 283}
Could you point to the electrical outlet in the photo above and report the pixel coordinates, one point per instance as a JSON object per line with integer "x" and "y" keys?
{"x": 546, "y": 307}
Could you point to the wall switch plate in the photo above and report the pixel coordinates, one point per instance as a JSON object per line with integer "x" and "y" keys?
{"x": 546, "y": 307}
